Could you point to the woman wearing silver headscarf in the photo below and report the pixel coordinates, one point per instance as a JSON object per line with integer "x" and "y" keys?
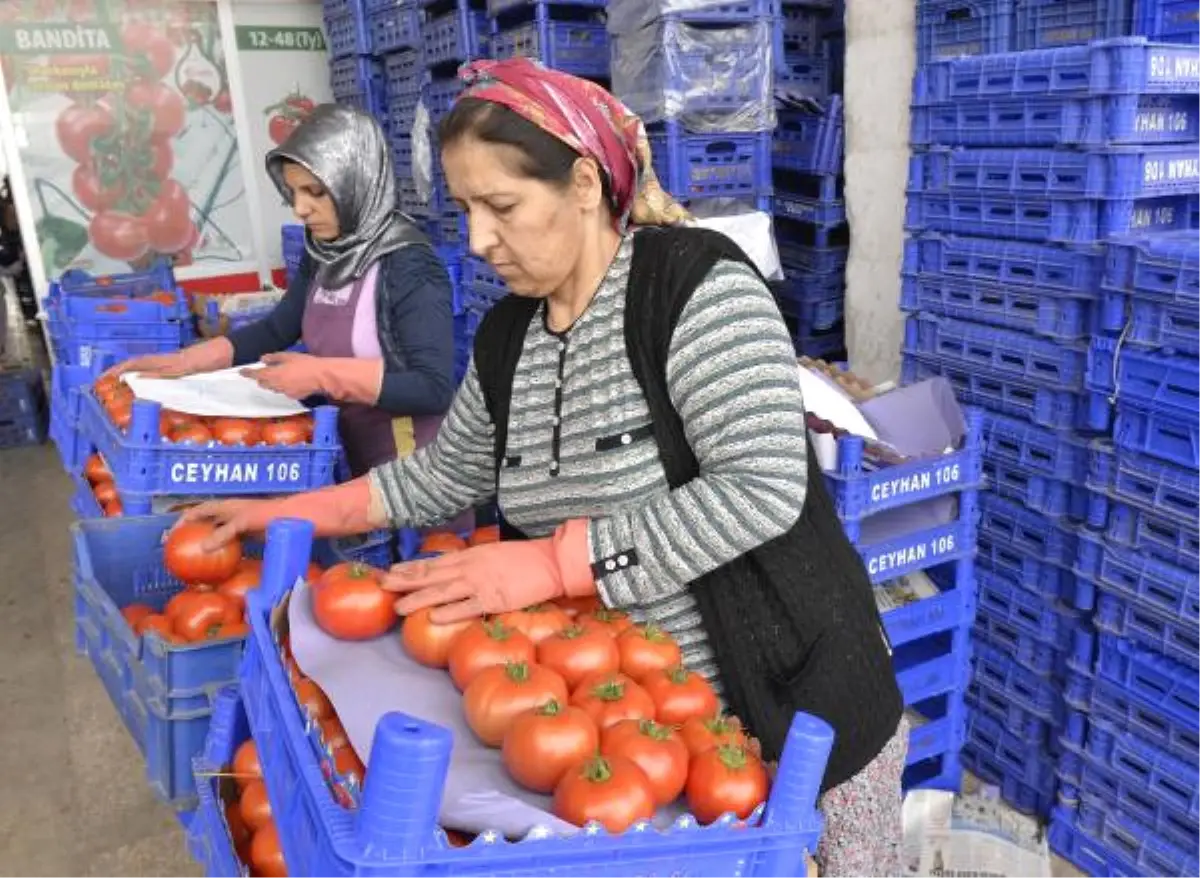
{"x": 371, "y": 301}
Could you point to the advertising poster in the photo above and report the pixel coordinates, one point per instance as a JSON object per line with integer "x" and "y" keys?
{"x": 123, "y": 118}
{"x": 285, "y": 73}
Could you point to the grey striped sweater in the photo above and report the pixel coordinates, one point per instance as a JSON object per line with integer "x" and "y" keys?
{"x": 580, "y": 446}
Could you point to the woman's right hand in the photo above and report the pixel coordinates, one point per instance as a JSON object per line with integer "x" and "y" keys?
{"x": 232, "y": 518}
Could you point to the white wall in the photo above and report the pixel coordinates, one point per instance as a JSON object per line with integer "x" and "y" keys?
{"x": 880, "y": 56}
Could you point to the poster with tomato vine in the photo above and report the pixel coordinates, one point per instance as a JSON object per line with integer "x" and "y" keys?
{"x": 126, "y": 135}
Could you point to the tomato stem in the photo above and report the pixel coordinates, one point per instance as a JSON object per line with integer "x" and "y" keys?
{"x": 678, "y": 674}
{"x": 732, "y": 756}
{"x": 653, "y": 730}
{"x": 654, "y": 634}
{"x": 550, "y": 708}
{"x": 571, "y": 632}
{"x": 597, "y": 770}
{"x": 611, "y": 690}
{"x": 496, "y": 630}
{"x": 518, "y": 672}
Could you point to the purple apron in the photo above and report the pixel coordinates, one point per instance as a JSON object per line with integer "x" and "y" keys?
{"x": 341, "y": 323}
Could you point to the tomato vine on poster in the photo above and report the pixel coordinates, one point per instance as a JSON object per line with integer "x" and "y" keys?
{"x": 126, "y": 133}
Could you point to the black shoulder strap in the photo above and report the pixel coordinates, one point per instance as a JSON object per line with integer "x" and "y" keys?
{"x": 668, "y": 264}
{"x": 498, "y": 344}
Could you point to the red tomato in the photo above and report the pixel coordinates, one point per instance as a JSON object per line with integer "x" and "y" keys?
{"x": 350, "y": 604}
{"x": 160, "y": 625}
{"x": 680, "y": 695}
{"x": 285, "y": 431}
{"x": 246, "y": 767}
{"x": 576, "y": 653}
{"x": 187, "y": 559}
{"x": 725, "y": 779}
{"x": 193, "y": 432}
{"x": 204, "y": 617}
{"x": 120, "y": 412}
{"x": 106, "y": 492}
{"x": 167, "y": 109}
{"x": 542, "y": 744}
{"x": 162, "y": 158}
{"x": 239, "y": 832}
{"x": 301, "y": 105}
{"x": 655, "y": 749}
{"x": 280, "y": 128}
{"x": 707, "y": 734}
{"x": 135, "y": 613}
{"x": 646, "y": 650}
{"x": 428, "y": 643}
{"x": 612, "y": 621}
{"x": 170, "y": 417}
{"x": 497, "y": 694}
{"x": 441, "y": 543}
{"x": 456, "y": 839}
{"x": 167, "y": 220}
{"x": 313, "y": 700}
{"x": 610, "y": 698}
{"x": 266, "y": 856}
{"x": 238, "y": 628}
{"x": 247, "y": 576}
{"x": 579, "y": 606}
{"x": 254, "y": 805}
{"x": 236, "y": 431}
{"x": 78, "y": 125}
{"x": 96, "y": 470}
{"x": 119, "y": 235}
{"x": 348, "y": 765}
{"x": 93, "y": 194}
{"x": 537, "y": 622}
{"x": 333, "y": 733}
{"x": 613, "y": 792}
{"x": 144, "y": 41}
{"x": 485, "y": 643}
{"x": 484, "y": 535}
{"x": 113, "y": 509}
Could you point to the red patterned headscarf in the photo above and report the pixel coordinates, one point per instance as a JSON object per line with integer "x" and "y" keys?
{"x": 589, "y": 120}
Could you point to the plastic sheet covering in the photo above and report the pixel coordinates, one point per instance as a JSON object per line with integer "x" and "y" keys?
{"x": 709, "y": 80}
{"x": 627, "y": 16}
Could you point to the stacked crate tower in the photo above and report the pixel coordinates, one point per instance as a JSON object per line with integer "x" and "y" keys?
{"x": 355, "y": 74}
{"x": 699, "y": 74}
{"x": 809, "y": 204}
{"x": 1050, "y": 277}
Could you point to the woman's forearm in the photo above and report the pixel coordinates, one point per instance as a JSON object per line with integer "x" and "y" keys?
{"x": 337, "y": 511}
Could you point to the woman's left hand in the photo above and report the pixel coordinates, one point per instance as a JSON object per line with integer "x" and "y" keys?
{"x": 298, "y": 376}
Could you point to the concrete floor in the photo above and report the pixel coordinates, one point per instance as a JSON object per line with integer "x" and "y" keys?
{"x": 75, "y": 800}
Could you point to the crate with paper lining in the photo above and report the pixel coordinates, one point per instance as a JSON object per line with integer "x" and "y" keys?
{"x": 408, "y": 762}
{"x": 144, "y": 459}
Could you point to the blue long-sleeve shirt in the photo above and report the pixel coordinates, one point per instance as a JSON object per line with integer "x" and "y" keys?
{"x": 414, "y": 314}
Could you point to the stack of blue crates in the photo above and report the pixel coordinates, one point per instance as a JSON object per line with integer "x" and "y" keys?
{"x": 355, "y": 76}
{"x": 1033, "y": 169}
{"x": 809, "y": 204}
{"x": 697, "y": 74}
{"x": 23, "y": 416}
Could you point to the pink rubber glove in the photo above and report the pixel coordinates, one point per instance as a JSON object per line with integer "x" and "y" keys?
{"x": 343, "y": 379}
{"x": 497, "y": 577}
{"x": 207, "y": 356}
{"x": 336, "y": 511}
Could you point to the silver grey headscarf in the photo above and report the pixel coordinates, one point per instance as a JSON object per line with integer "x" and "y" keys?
{"x": 345, "y": 149}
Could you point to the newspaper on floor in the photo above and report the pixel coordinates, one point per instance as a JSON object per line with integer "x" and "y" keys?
{"x": 972, "y": 835}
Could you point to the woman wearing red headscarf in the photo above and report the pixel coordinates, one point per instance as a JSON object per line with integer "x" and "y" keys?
{"x": 634, "y": 407}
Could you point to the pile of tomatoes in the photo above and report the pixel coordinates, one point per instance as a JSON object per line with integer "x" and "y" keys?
{"x": 212, "y": 604}
{"x": 117, "y": 399}
{"x": 100, "y": 479}
{"x": 249, "y": 818}
{"x": 580, "y": 702}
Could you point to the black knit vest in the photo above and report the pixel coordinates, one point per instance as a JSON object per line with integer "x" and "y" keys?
{"x": 793, "y": 624}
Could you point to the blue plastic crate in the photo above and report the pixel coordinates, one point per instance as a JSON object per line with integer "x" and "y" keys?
{"x": 808, "y": 317}
{"x": 919, "y": 549}
{"x": 951, "y": 28}
{"x": 1154, "y": 679}
{"x": 1033, "y": 800}
{"x": 1058, "y": 121}
{"x": 454, "y": 37}
{"x": 495, "y": 7}
{"x": 1043, "y": 219}
{"x": 1130, "y": 66}
{"x": 1164, "y": 265}
{"x": 1041, "y": 658}
{"x": 1047, "y": 313}
{"x": 347, "y": 34}
{"x": 1045, "y": 24}
{"x": 943, "y": 772}
{"x": 988, "y": 737}
{"x": 797, "y": 255}
{"x": 162, "y": 691}
{"x": 343, "y": 7}
{"x": 1042, "y": 538}
{"x": 1116, "y": 172}
{"x": 1161, "y": 435}
{"x": 933, "y": 665}
{"x": 862, "y": 486}
{"x": 1049, "y": 497}
{"x": 134, "y": 284}
{"x": 404, "y": 77}
{"x": 801, "y": 29}
{"x": 1147, "y": 379}
{"x": 1003, "y": 352}
{"x": 811, "y": 142}
{"x": 1040, "y": 405}
{"x": 394, "y": 28}
{"x": 941, "y": 729}
{"x": 142, "y": 461}
{"x": 209, "y": 838}
{"x": 1131, "y": 845}
{"x": 953, "y": 606}
{"x": 1167, "y": 21}
{"x": 1036, "y": 450}
{"x": 1092, "y": 857}
{"x": 1037, "y": 695}
{"x": 800, "y": 289}
{"x": 576, "y": 47}
{"x": 66, "y": 382}
{"x": 1151, "y": 323}
{"x": 1074, "y": 271}
{"x": 1146, "y": 626}
{"x": 1164, "y": 490}
{"x": 292, "y": 245}
{"x": 1045, "y": 621}
{"x": 1102, "y": 791}
{"x": 823, "y": 344}
{"x": 1034, "y": 731}
{"x": 802, "y": 77}
{"x": 355, "y": 75}
{"x": 1160, "y": 539}
{"x": 711, "y": 165}
{"x": 80, "y": 297}
{"x": 79, "y": 343}
{"x": 1111, "y": 704}
{"x": 807, "y": 210}
{"x": 409, "y": 760}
